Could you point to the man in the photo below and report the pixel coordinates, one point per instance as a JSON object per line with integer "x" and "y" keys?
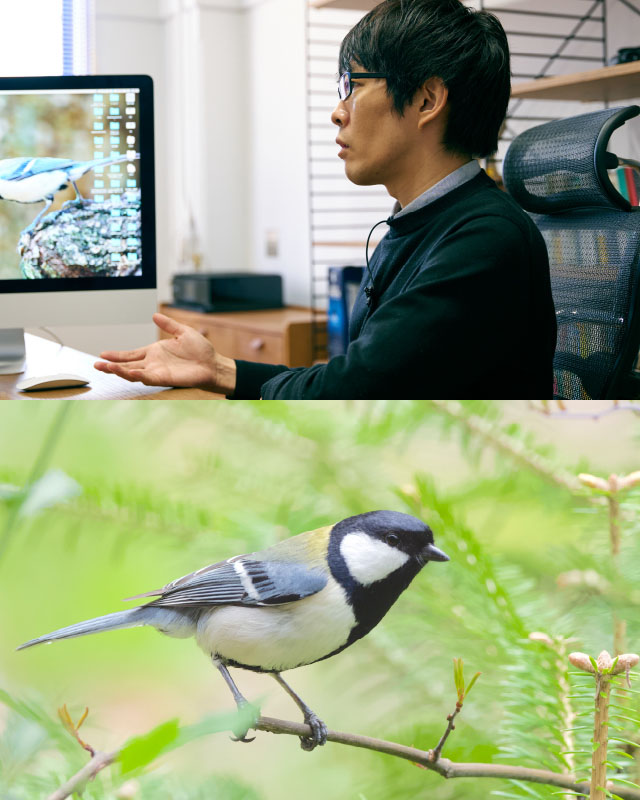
{"x": 456, "y": 301}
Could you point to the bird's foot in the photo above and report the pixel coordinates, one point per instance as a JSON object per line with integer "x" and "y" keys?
{"x": 243, "y": 738}
{"x": 318, "y": 730}
{"x": 79, "y": 202}
{"x": 248, "y": 716}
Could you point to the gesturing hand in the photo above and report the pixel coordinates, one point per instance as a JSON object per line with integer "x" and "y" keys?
{"x": 186, "y": 359}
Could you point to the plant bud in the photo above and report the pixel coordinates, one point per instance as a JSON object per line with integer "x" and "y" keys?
{"x": 128, "y": 790}
{"x": 626, "y": 662}
{"x": 538, "y": 636}
{"x": 615, "y": 484}
{"x": 593, "y": 481}
{"x": 632, "y": 479}
{"x": 604, "y": 661}
{"x": 410, "y": 491}
{"x": 581, "y": 660}
{"x": 587, "y": 578}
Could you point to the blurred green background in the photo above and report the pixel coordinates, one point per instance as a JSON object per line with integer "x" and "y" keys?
{"x": 130, "y": 496}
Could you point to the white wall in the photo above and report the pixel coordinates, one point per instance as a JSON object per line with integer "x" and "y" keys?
{"x": 278, "y": 143}
{"x": 196, "y": 53}
{"x": 205, "y": 49}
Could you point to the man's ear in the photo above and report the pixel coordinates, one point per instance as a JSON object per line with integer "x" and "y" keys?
{"x": 431, "y": 99}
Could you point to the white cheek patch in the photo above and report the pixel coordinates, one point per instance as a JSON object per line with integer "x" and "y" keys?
{"x": 370, "y": 560}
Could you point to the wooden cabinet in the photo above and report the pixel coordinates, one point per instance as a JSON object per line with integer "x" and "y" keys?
{"x": 275, "y": 336}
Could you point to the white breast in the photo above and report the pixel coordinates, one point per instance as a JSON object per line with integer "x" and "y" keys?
{"x": 279, "y": 637}
{"x": 33, "y": 189}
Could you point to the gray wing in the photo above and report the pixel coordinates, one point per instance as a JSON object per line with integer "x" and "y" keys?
{"x": 12, "y": 169}
{"x": 243, "y": 581}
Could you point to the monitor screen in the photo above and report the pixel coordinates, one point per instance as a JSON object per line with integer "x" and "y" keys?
{"x": 77, "y": 207}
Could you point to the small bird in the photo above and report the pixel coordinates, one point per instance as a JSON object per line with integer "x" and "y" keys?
{"x": 299, "y": 601}
{"x": 36, "y": 180}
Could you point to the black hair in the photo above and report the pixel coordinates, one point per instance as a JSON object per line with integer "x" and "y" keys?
{"x": 411, "y": 41}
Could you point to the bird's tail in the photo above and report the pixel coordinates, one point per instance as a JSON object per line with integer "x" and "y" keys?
{"x": 77, "y": 171}
{"x": 96, "y": 162}
{"x": 110, "y": 622}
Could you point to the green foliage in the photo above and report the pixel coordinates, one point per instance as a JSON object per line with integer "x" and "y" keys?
{"x": 219, "y": 786}
{"x": 458, "y": 679}
{"x": 506, "y": 609}
{"x": 31, "y": 736}
{"x": 142, "y": 750}
{"x": 36, "y": 753}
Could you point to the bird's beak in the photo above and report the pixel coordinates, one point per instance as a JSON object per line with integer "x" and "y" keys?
{"x": 433, "y": 553}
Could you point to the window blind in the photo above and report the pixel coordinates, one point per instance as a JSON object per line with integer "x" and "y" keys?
{"x": 78, "y": 56}
{"x": 341, "y": 213}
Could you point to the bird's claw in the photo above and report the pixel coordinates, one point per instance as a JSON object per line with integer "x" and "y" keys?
{"x": 319, "y": 733}
{"x": 79, "y": 202}
{"x": 249, "y": 715}
{"x": 242, "y": 738}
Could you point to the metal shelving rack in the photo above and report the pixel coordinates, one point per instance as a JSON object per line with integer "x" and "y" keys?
{"x": 575, "y": 37}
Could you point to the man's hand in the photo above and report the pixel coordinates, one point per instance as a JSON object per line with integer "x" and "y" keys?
{"x": 186, "y": 359}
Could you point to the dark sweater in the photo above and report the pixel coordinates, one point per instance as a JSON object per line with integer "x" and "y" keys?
{"x": 462, "y": 308}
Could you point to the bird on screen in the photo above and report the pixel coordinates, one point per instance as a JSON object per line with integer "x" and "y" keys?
{"x": 299, "y": 601}
{"x": 37, "y": 180}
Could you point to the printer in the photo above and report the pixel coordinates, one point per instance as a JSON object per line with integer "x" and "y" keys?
{"x": 227, "y": 291}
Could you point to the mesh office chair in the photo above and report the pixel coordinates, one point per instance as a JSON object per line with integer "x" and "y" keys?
{"x": 558, "y": 173}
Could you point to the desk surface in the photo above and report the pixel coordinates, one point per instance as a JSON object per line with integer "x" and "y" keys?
{"x": 45, "y": 357}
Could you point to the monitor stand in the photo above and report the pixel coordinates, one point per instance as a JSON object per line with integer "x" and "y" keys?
{"x": 12, "y": 351}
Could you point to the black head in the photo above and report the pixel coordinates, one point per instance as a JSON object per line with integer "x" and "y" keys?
{"x": 468, "y": 50}
{"x": 371, "y": 543}
{"x": 375, "y": 556}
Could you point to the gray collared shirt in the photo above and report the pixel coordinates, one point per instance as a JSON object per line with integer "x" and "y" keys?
{"x": 454, "y": 179}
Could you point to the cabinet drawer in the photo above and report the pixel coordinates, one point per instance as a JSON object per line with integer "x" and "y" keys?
{"x": 220, "y": 337}
{"x": 258, "y": 346}
{"x": 272, "y": 336}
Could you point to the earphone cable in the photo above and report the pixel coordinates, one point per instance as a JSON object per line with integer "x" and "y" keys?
{"x": 369, "y": 289}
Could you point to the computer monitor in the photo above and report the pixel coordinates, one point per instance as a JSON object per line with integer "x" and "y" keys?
{"x": 77, "y": 207}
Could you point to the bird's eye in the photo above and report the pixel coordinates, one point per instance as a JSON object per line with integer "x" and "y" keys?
{"x": 392, "y": 539}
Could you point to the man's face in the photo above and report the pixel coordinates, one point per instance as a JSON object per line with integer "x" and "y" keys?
{"x": 376, "y": 143}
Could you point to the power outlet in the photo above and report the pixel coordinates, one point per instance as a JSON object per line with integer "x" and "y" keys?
{"x": 272, "y": 244}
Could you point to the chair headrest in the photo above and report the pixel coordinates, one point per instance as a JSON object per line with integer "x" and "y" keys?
{"x": 563, "y": 164}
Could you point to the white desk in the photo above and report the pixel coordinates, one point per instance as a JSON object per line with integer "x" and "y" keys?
{"x": 45, "y": 357}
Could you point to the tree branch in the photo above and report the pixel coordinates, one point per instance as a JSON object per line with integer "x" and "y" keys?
{"x": 443, "y": 766}
{"x": 435, "y": 753}
{"x": 565, "y": 413}
{"x": 88, "y": 772}
{"x": 506, "y": 444}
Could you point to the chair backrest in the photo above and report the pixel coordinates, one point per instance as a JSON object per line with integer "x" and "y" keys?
{"x": 558, "y": 173}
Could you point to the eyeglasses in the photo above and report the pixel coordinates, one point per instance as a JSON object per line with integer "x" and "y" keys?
{"x": 344, "y": 84}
